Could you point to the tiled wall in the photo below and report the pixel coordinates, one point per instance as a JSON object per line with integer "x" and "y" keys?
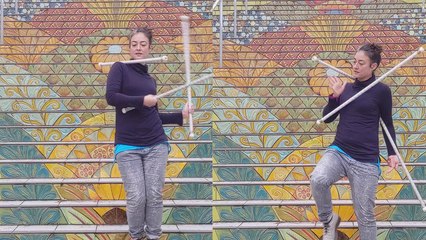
{"x": 269, "y": 94}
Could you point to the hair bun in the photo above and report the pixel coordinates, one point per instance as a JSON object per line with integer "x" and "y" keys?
{"x": 376, "y": 48}
{"x": 373, "y": 51}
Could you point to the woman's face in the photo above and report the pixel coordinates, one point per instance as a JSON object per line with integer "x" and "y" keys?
{"x": 139, "y": 46}
{"x": 363, "y": 67}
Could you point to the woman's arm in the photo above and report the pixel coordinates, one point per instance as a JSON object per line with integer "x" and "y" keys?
{"x": 171, "y": 118}
{"x": 177, "y": 118}
{"x": 385, "y": 105}
{"x": 114, "y": 95}
{"x": 333, "y": 103}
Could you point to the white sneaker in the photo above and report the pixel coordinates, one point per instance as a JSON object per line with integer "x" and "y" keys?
{"x": 330, "y": 228}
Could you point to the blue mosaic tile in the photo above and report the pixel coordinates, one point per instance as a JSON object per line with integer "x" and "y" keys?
{"x": 27, "y": 9}
{"x": 201, "y": 7}
{"x": 413, "y": 22}
{"x": 249, "y": 25}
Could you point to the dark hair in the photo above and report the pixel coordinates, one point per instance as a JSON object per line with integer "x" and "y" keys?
{"x": 373, "y": 51}
{"x": 145, "y": 30}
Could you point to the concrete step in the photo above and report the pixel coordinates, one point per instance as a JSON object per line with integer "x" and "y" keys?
{"x": 88, "y": 229}
{"x": 26, "y": 181}
{"x": 305, "y": 182}
{"x": 192, "y": 141}
{"x": 93, "y": 97}
{"x": 187, "y": 160}
{"x": 189, "y": 203}
{"x": 339, "y": 202}
{"x": 83, "y": 126}
{"x": 277, "y": 149}
{"x": 66, "y": 100}
{"x": 79, "y": 111}
{"x": 285, "y": 165}
{"x": 91, "y": 160}
{"x": 97, "y": 203}
{"x": 194, "y": 228}
{"x": 313, "y": 225}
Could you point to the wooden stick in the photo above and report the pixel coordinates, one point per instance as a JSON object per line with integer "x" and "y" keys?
{"x": 413, "y": 185}
{"x": 316, "y": 59}
{"x": 214, "y": 5}
{"x": 369, "y": 86}
{"x": 201, "y": 79}
{"x": 145, "y": 60}
{"x": 187, "y": 57}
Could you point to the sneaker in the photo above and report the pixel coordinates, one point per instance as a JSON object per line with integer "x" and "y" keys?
{"x": 330, "y": 228}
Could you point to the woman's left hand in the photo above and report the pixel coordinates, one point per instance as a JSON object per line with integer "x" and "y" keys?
{"x": 392, "y": 163}
{"x": 187, "y": 109}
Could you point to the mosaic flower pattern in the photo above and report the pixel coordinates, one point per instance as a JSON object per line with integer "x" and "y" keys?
{"x": 60, "y": 83}
{"x": 319, "y": 76}
{"x": 116, "y": 14}
{"x": 289, "y": 92}
{"x": 241, "y": 70}
{"x": 110, "y": 49}
{"x": 29, "y": 44}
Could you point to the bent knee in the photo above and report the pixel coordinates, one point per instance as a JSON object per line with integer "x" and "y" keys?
{"x": 366, "y": 216}
{"x": 320, "y": 180}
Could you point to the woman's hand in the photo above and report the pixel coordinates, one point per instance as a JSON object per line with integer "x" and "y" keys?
{"x": 392, "y": 163}
{"x": 150, "y": 100}
{"x": 336, "y": 84}
{"x": 187, "y": 109}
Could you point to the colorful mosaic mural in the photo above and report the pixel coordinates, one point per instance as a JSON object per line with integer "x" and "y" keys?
{"x": 50, "y": 77}
{"x": 269, "y": 94}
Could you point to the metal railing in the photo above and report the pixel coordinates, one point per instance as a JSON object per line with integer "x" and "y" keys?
{"x": 2, "y": 18}
{"x": 220, "y": 3}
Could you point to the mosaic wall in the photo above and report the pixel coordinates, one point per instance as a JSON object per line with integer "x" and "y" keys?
{"x": 269, "y": 94}
{"x": 50, "y": 76}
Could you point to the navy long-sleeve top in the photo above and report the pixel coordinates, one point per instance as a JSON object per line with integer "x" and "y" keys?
{"x": 358, "y": 129}
{"x": 127, "y": 85}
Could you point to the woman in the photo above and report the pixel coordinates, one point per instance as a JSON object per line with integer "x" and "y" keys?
{"x": 355, "y": 150}
{"x": 141, "y": 147}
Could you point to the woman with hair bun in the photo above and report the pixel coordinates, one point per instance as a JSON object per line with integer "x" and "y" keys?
{"x": 141, "y": 145}
{"x": 355, "y": 151}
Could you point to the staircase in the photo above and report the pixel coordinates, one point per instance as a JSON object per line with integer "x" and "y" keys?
{"x": 269, "y": 95}
{"x": 57, "y": 176}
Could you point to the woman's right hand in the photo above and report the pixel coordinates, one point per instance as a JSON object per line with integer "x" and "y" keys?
{"x": 150, "y": 100}
{"x": 336, "y": 84}
{"x": 187, "y": 109}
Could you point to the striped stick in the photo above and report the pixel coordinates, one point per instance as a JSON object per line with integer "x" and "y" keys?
{"x": 145, "y": 60}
